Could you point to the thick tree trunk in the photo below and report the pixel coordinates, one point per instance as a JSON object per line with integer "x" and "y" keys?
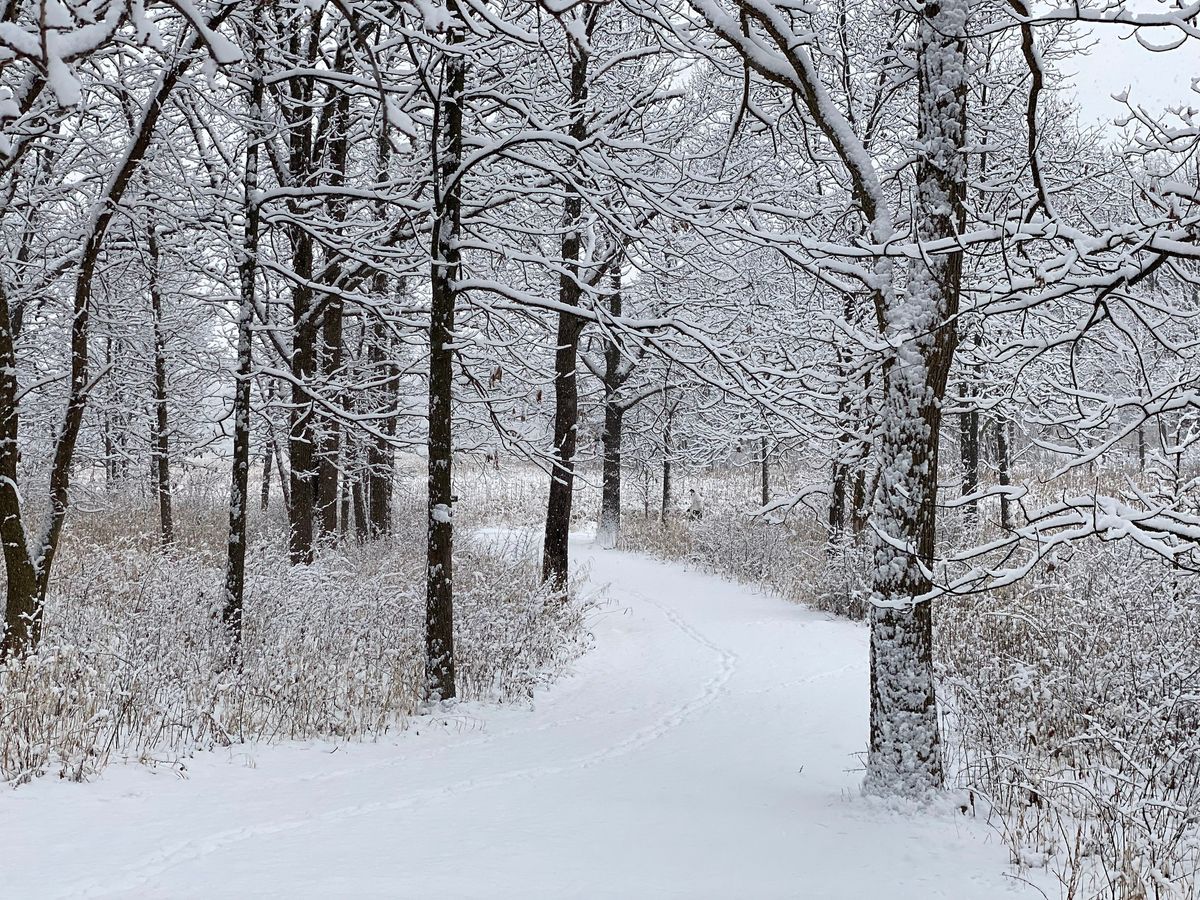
{"x": 556, "y": 547}
{"x": 303, "y": 475}
{"x": 162, "y": 456}
{"x": 555, "y": 552}
{"x": 444, "y": 269}
{"x": 22, "y": 618}
{"x": 905, "y": 754}
{"x": 331, "y": 344}
{"x": 303, "y": 363}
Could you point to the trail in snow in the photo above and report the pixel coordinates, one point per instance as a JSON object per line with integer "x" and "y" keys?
{"x": 705, "y": 748}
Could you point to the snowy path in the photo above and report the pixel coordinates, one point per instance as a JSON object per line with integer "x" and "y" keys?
{"x": 701, "y": 750}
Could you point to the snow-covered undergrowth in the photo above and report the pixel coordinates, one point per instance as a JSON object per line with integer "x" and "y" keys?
{"x": 1072, "y": 701}
{"x": 133, "y": 661}
{"x": 1074, "y": 705}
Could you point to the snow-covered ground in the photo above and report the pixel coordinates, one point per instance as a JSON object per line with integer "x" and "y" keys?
{"x": 705, "y": 748}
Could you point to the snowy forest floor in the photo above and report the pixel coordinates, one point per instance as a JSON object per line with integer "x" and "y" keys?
{"x": 707, "y": 747}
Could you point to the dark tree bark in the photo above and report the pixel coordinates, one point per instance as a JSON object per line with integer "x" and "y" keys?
{"x": 362, "y": 529}
{"x": 303, "y": 475}
{"x": 1002, "y": 464}
{"x": 444, "y": 269}
{"x": 239, "y": 488}
{"x": 380, "y": 455}
{"x": 764, "y": 458}
{"x": 555, "y": 547}
{"x": 270, "y": 452}
{"x": 22, "y": 618}
{"x": 860, "y": 500}
{"x": 162, "y": 456}
{"x": 609, "y": 529}
{"x": 968, "y": 423}
{"x": 837, "y": 504}
{"x": 110, "y": 447}
{"x": 326, "y": 507}
{"x": 303, "y": 363}
{"x": 331, "y": 343}
{"x": 264, "y": 499}
{"x": 665, "y": 512}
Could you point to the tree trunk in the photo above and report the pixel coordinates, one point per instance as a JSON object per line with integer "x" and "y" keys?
{"x": 362, "y": 529}
{"x": 331, "y": 344}
{"x": 444, "y": 269}
{"x": 765, "y": 463}
{"x": 905, "y": 755}
{"x": 22, "y": 610}
{"x": 303, "y": 474}
{"x": 555, "y": 549}
{"x": 860, "y": 499}
{"x": 162, "y": 457}
{"x": 968, "y": 422}
{"x": 666, "y": 470}
{"x": 380, "y": 456}
{"x": 264, "y": 501}
{"x": 1002, "y": 464}
{"x": 239, "y": 494}
{"x": 556, "y": 546}
{"x": 837, "y": 505}
{"x": 326, "y": 510}
{"x": 609, "y": 530}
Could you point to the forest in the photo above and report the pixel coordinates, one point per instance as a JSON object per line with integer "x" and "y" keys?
{"x": 350, "y": 349}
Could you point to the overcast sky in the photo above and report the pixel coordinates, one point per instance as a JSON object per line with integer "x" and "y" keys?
{"x": 1117, "y": 62}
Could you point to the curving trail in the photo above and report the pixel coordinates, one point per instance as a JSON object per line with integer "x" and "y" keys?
{"x": 703, "y": 749}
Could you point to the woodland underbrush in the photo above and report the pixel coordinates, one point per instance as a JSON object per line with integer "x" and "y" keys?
{"x": 134, "y": 663}
{"x": 1073, "y": 706}
{"x": 1071, "y": 701}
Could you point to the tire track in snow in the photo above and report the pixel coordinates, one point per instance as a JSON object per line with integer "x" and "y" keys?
{"x": 139, "y": 874}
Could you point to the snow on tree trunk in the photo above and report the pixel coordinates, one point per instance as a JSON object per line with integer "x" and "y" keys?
{"x": 556, "y": 547}
{"x": 162, "y": 457}
{"x": 905, "y": 756}
{"x": 608, "y": 531}
{"x": 444, "y": 270}
{"x": 235, "y": 566}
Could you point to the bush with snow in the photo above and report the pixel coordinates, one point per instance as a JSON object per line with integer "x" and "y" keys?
{"x": 134, "y": 661}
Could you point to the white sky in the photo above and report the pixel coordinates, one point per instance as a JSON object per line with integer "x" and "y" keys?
{"x": 1117, "y": 62}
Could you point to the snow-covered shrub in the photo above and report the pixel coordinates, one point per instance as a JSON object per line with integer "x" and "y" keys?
{"x": 134, "y": 662}
{"x": 790, "y": 560}
{"x": 1074, "y": 706}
